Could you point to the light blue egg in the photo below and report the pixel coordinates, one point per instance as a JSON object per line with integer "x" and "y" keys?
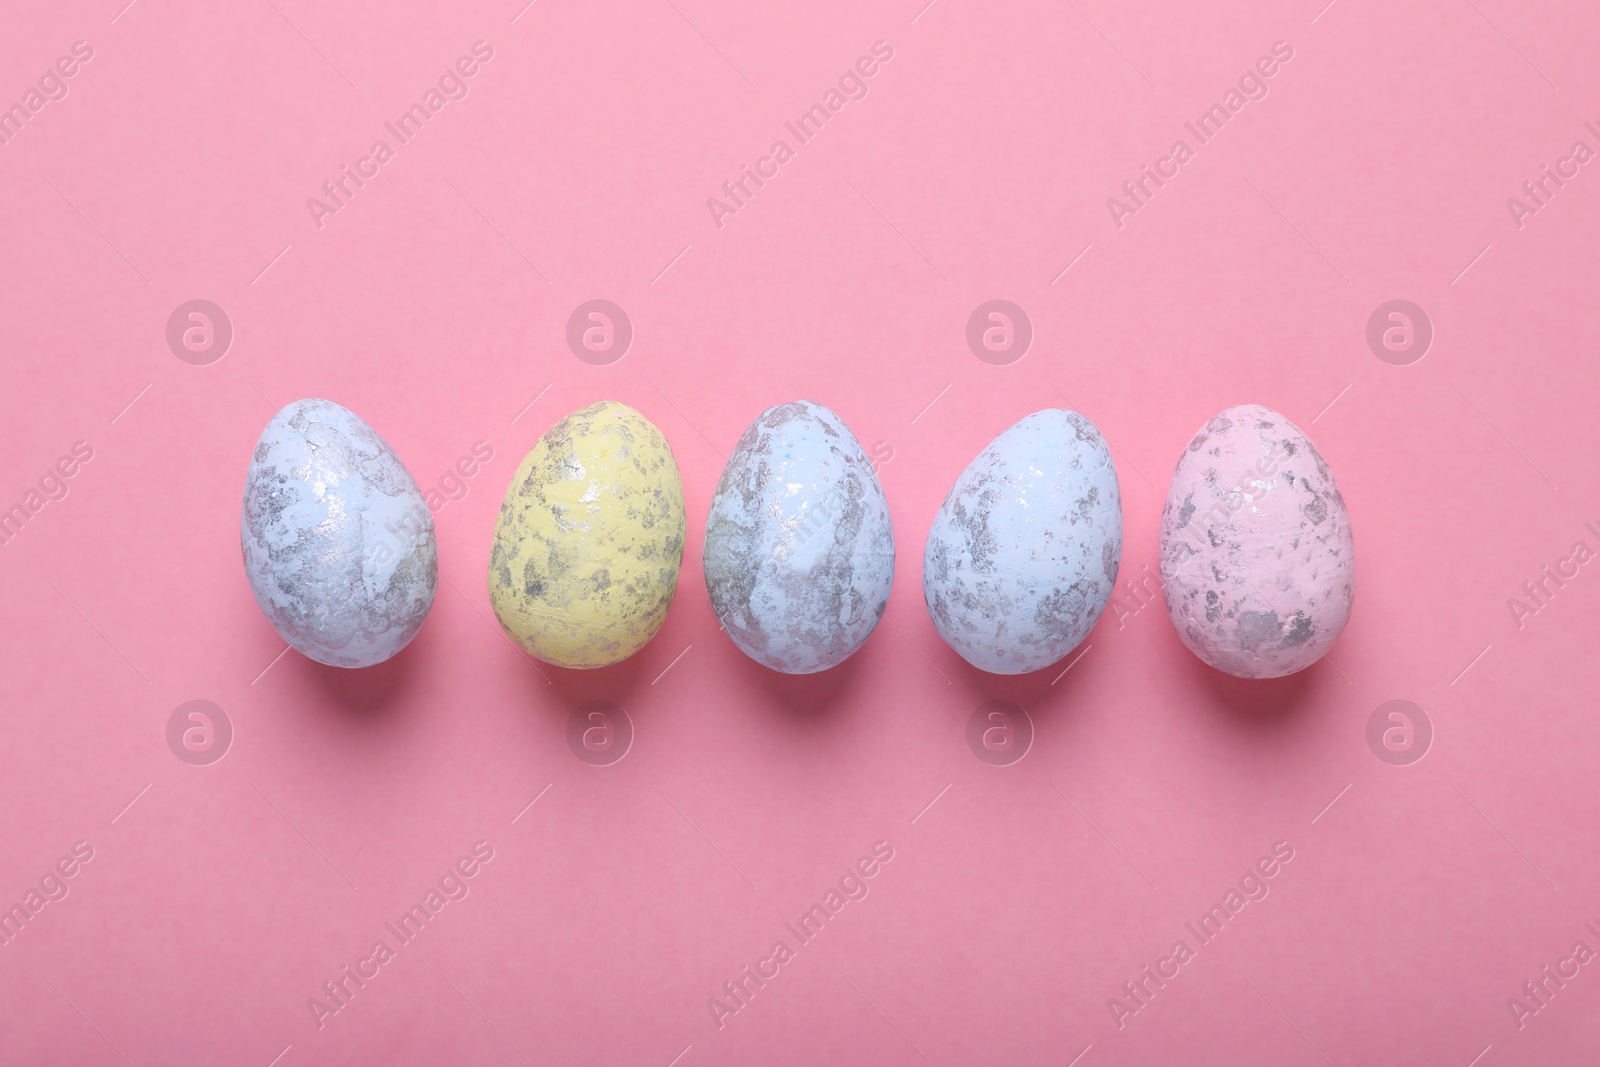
{"x": 1023, "y": 554}
{"x": 799, "y": 552}
{"x": 339, "y": 547}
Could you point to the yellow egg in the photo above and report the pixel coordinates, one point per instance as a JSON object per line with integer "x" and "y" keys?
{"x": 589, "y": 540}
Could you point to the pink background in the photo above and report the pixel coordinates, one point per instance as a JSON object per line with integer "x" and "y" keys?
{"x": 978, "y": 167}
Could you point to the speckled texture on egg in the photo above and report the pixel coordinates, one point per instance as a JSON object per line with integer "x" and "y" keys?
{"x": 1023, "y": 554}
{"x": 589, "y": 541}
{"x": 338, "y": 545}
{"x": 1257, "y": 559}
{"x": 799, "y": 553}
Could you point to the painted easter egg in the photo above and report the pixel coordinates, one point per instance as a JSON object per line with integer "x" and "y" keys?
{"x": 1257, "y": 559}
{"x": 1023, "y": 554}
{"x": 338, "y": 545}
{"x": 799, "y": 552}
{"x": 590, "y": 539}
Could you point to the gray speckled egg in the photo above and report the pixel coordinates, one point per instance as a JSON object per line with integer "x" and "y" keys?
{"x": 338, "y": 544}
{"x": 799, "y": 553}
{"x": 1257, "y": 559}
{"x": 1023, "y": 554}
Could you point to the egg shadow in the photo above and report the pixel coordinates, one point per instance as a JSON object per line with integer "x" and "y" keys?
{"x": 618, "y": 683}
{"x": 1032, "y": 692}
{"x": 366, "y": 694}
{"x": 1045, "y": 694}
{"x": 1256, "y": 702}
{"x": 812, "y": 697}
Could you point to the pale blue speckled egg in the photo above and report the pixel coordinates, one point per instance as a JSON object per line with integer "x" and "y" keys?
{"x": 1023, "y": 554}
{"x": 799, "y": 552}
{"x": 338, "y": 545}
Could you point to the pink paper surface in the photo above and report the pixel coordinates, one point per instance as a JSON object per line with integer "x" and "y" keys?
{"x": 978, "y": 165}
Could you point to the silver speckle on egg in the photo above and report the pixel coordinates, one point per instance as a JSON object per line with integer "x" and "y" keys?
{"x": 338, "y": 544}
{"x": 1257, "y": 557}
{"x": 799, "y": 552}
{"x": 1023, "y": 554}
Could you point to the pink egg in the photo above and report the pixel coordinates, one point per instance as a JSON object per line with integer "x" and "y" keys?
{"x": 1257, "y": 561}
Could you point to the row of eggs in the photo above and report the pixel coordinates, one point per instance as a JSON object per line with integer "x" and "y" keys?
{"x": 1257, "y": 560}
